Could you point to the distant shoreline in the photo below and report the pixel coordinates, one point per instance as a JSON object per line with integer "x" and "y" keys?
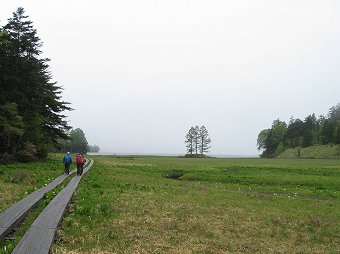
{"x": 167, "y": 154}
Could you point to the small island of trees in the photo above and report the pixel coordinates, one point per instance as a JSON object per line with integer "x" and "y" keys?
{"x": 197, "y": 141}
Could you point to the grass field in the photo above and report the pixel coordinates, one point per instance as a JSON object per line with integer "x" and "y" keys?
{"x": 19, "y": 179}
{"x": 178, "y": 205}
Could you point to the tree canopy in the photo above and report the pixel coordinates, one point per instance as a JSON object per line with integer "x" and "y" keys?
{"x": 93, "y": 148}
{"x": 77, "y": 143}
{"x": 300, "y": 133}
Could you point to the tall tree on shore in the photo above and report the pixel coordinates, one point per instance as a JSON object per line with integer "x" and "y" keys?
{"x": 204, "y": 140}
{"x": 11, "y": 128}
{"x": 334, "y": 113}
{"x": 196, "y": 138}
{"x": 26, "y": 81}
{"x": 310, "y": 128}
{"x": 78, "y": 141}
{"x": 294, "y": 134}
{"x": 189, "y": 140}
{"x": 271, "y": 141}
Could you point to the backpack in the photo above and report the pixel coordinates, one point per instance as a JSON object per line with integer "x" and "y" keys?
{"x": 67, "y": 159}
{"x": 79, "y": 159}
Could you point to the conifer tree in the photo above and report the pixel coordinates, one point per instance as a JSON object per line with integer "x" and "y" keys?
{"x": 204, "y": 140}
{"x": 197, "y": 140}
{"x": 189, "y": 140}
{"x": 26, "y": 81}
{"x": 11, "y": 128}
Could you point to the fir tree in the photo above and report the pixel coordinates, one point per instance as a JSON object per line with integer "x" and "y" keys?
{"x": 197, "y": 140}
{"x": 26, "y": 81}
{"x": 204, "y": 140}
{"x": 189, "y": 140}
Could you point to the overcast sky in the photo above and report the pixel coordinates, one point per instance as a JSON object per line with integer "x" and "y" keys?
{"x": 139, "y": 74}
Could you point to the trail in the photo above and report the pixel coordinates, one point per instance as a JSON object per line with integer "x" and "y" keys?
{"x": 39, "y": 237}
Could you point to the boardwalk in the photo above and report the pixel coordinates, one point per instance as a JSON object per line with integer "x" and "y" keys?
{"x": 14, "y": 214}
{"x": 39, "y": 238}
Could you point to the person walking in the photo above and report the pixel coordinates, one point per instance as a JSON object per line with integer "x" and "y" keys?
{"x": 67, "y": 160}
{"x": 80, "y": 163}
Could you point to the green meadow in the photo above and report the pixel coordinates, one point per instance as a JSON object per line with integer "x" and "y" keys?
{"x": 19, "y": 179}
{"x": 208, "y": 205}
{"x": 189, "y": 205}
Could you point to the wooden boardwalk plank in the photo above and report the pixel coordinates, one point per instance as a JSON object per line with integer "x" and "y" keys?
{"x": 39, "y": 237}
{"x": 14, "y": 214}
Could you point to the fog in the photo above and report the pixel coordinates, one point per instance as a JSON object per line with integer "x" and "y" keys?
{"x": 139, "y": 74}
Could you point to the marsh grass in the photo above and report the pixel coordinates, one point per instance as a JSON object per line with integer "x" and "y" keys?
{"x": 19, "y": 179}
{"x": 14, "y": 237}
{"x": 215, "y": 206}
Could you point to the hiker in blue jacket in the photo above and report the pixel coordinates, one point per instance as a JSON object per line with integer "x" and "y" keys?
{"x": 67, "y": 160}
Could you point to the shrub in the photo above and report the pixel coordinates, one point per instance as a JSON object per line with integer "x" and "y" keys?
{"x": 42, "y": 151}
{"x": 6, "y": 158}
{"x": 28, "y": 153}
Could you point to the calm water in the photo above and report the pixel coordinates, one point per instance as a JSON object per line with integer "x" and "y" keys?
{"x": 165, "y": 154}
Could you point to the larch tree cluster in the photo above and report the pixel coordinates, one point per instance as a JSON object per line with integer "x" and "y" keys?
{"x": 197, "y": 141}
{"x": 31, "y": 105}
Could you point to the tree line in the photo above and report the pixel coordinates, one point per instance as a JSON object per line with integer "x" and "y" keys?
{"x": 311, "y": 131}
{"x": 77, "y": 143}
{"x": 197, "y": 141}
{"x": 31, "y": 106}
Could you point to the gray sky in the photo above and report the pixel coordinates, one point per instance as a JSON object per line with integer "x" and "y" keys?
{"x": 141, "y": 73}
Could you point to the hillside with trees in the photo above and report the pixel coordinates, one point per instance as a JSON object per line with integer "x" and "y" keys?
{"x": 31, "y": 106}
{"x": 312, "y": 131}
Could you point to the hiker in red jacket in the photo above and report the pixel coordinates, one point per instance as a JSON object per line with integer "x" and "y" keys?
{"x": 80, "y": 161}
